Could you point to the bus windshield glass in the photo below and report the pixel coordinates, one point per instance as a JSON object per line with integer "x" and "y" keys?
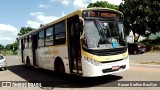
{"x": 101, "y": 34}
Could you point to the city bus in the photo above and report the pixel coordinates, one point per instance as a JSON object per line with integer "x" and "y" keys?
{"x": 88, "y": 42}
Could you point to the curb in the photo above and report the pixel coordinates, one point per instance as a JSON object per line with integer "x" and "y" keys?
{"x": 151, "y": 65}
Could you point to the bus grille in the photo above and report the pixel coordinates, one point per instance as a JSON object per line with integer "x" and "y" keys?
{"x": 111, "y": 61}
{"x": 110, "y": 69}
{"x": 107, "y": 52}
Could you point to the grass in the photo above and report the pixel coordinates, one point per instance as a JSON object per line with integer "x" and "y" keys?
{"x": 154, "y": 63}
{"x": 145, "y": 62}
{"x": 7, "y": 52}
{"x": 155, "y": 51}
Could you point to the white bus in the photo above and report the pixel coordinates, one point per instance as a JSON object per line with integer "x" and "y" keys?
{"x": 88, "y": 42}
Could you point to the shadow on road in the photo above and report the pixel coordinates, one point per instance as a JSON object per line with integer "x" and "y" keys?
{"x": 64, "y": 81}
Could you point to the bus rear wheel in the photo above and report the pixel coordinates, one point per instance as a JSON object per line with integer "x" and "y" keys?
{"x": 28, "y": 65}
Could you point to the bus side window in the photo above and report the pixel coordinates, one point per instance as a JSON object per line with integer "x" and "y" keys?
{"x": 60, "y": 33}
{"x": 49, "y": 36}
{"x": 30, "y": 42}
{"x": 26, "y": 42}
{"x": 41, "y": 39}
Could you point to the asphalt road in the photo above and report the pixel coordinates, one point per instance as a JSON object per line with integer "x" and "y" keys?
{"x": 18, "y": 72}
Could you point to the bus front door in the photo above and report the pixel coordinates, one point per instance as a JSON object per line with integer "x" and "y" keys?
{"x": 74, "y": 49}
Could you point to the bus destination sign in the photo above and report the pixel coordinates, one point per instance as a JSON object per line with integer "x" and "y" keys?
{"x": 102, "y": 14}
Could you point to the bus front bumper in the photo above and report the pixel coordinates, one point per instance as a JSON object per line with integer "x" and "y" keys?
{"x": 90, "y": 70}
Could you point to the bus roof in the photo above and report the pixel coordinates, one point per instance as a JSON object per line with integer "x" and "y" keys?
{"x": 78, "y": 12}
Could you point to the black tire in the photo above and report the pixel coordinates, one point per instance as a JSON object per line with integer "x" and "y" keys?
{"x": 59, "y": 67}
{"x": 28, "y": 64}
{"x": 4, "y": 68}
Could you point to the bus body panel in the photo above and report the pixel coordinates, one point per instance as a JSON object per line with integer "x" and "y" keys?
{"x": 62, "y": 52}
{"x": 28, "y": 53}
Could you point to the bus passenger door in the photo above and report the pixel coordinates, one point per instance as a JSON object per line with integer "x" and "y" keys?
{"x": 74, "y": 50}
{"x": 34, "y": 49}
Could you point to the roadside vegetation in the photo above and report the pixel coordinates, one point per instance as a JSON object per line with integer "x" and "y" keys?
{"x": 152, "y": 44}
{"x": 12, "y": 49}
{"x": 9, "y": 49}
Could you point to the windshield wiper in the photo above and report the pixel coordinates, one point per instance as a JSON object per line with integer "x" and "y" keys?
{"x": 101, "y": 30}
{"x": 98, "y": 26}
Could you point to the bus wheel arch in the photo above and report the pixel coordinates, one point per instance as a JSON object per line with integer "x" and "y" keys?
{"x": 59, "y": 66}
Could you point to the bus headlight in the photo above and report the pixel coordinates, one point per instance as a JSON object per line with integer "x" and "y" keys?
{"x": 126, "y": 58}
{"x": 92, "y": 61}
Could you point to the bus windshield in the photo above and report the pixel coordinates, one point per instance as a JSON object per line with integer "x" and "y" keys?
{"x": 101, "y": 34}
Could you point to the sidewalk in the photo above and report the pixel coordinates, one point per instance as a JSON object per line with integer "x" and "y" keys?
{"x": 146, "y": 58}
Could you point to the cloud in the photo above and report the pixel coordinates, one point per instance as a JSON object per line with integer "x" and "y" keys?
{"x": 84, "y": 3}
{"x": 80, "y": 3}
{"x": 64, "y": 2}
{"x": 36, "y": 13}
{"x": 8, "y": 34}
{"x": 43, "y": 6}
{"x": 115, "y": 2}
{"x": 33, "y": 24}
{"x": 41, "y": 18}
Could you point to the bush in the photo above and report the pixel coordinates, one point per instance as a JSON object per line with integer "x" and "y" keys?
{"x": 3, "y": 52}
{"x": 152, "y": 44}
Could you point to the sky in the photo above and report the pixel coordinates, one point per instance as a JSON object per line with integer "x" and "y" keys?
{"x": 15, "y": 14}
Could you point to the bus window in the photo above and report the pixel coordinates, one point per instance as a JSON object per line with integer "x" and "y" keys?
{"x": 60, "y": 36}
{"x": 49, "y": 36}
{"x": 41, "y": 39}
{"x": 26, "y": 40}
{"x": 30, "y": 42}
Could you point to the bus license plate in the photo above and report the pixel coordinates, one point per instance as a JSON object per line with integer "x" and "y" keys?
{"x": 115, "y": 67}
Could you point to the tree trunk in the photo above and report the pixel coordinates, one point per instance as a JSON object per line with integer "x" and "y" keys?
{"x": 138, "y": 37}
{"x": 134, "y": 36}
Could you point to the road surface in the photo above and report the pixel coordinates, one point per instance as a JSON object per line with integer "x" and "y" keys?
{"x": 18, "y": 72}
{"x": 146, "y": 58}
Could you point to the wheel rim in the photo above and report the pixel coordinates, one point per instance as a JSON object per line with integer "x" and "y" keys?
{"x": 135, "y": 52}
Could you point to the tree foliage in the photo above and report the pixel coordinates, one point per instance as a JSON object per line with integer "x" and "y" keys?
{"x": 103, "y": 4}
{"x": 25, "y": 30}
{"x": 141, "y": 16}
{"x": 12, "y": 47}
{"x": 1, "y": 47}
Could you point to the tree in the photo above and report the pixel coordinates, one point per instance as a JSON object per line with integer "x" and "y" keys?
{"x": 8, "y": 47}
{"x": 12, "y": 47}
{"x": 103, "y": 4}
{"x": 15, "y": 46}
{"x": 1, "y": 47}
{"x": 141, "y": 16}
{"x": 25, "y": 30}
